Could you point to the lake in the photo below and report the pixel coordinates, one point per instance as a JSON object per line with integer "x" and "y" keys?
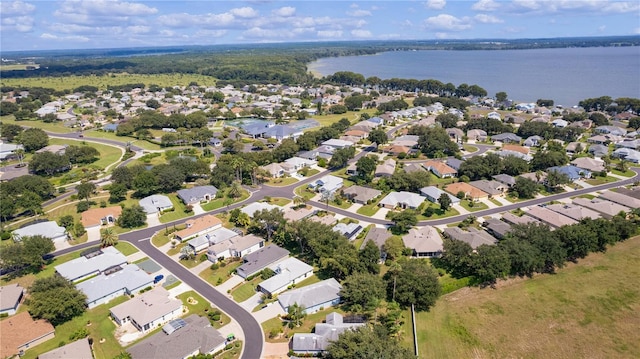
{"x": 566, "y": 75}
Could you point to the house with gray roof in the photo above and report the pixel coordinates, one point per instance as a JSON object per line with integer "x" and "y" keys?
{"x": 197, "y": 194}
{"x": 496, "y": 227}
{"x": 360, "y": 194}
{"x": 10, "y": 298}
{"x": 91, "y": 264}
{"x": 148, "y": 311}
{"x": 611, "y": 130}
{"x": 350, "y": 230}
{"x": 287, "y": 272}
{"x": 425, "y": 241}
{"x": 194, "y": 335}
{"x": 328, "y": 184}
{"x": 494, "y": 188}
{"x": 513, "y": 219}
{"x": 324, "y": 333}
{"x": 506, "y": 180}
{"x": 386, "y": 168}
{"x": 260, "y": 259}
{"x": 574, "y": 211}
{"x": 118, "y": 281}
{"x": 598, "y": 150}
{"x": 255, "y": 207}
{"x": 236, "y": 246}
{"x": 323, "y": 294}
{"x": 281, "y": 132}
{"x": 401, "y": 199}
{"x": 433, "y": 193}
{"x": 620, "y": 199}
{"x": 588, "y": 164}
{"x": 507, "y": 137}
{"x": 203, "y": 241}
{"x": 155, "y": 203}
{"x": 454, "y": 163}
{"x": 378, "y": 236}
{"x": 48, "y": 229}
{"x": 80, "y": 349}
{"x": 606, "y": 208}
{"x": 474, "y": 237}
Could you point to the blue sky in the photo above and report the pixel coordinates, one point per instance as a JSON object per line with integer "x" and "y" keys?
{"x": 78, "y": 24}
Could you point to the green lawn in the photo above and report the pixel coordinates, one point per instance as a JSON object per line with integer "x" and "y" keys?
{"x": 438, "y": 213}
{"x": 126, "y": 248}
{"x": 477, "y": 206}
{"x": 344, "y": 204}
{"x": 585, "y": 310}
{"x": 309, "y": 323}
{"x": 601, "y": 180}
{"x": 145, "y": 145}
{"x": 51, "y": 127}
{"x": 220, "y": 202}
{"x": 304, "y": 192}
{"x": 627, "y": 173}
{"x": 178, "y": 210}
{"x": 245, "y": 290}
{"x": 495, "y": 201}
{"x": 470, "y": 148}
{"x": 108, "y": 154}
{"x": 369, "y": 209}
{"x": 101, "y": 327}
{"x": 353, "y": 116}
{"x": 281, "y": 182}
{"x": 164, "y": 237}
{"x": 220, "y": 275}
{"x": 279, "y": 201}
{"x": 197, "y": 305}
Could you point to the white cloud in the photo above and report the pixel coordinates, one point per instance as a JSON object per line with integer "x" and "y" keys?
{"x": 17, "y": 23}
{"x": 266, "y": 34}
{"x": 447, "y": 22}
{"x": 184, "y": 20}
{"x": 244, "y": 12}
{"x": 286, "y": 11}
{"x": 487, "y": 19}
{"x": 16, "y": 8}
{"x": 485, "y": 5}
{"x": 602, "y": 28}
{"x": 329, "y": 34}
{"x": 210, "y": 33}
{"x": 636, "y": 31}
{"x": 435, "y": 4}
{"x": 359, "y": 13}
{"x": 362, "y": 34}
{"x": 48, "y": 36}
{"x": 596, "y": 7}
{"x": 138, "y": 29}
{"x": 105, "y": 8}
{"x": 527, "y": 4}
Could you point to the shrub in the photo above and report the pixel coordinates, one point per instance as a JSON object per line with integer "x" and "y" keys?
{"x": 215, "y": 266}
{"x": 103, "y": 204}
{"x": 429, "y": 212}
{"x": 82, "y": 206}
{"x": 79, "y": 334}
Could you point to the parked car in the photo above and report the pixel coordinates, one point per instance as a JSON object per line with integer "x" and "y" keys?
{"x": 158, "y": 278}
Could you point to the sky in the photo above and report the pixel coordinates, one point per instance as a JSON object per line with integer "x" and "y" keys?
{"x": 85, "y": 24}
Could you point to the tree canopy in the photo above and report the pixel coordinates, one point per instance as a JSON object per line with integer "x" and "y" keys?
{"x": 56, "y": 300}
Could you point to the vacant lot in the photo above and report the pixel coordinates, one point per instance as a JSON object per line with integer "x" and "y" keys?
{"x": 588, "y": 310}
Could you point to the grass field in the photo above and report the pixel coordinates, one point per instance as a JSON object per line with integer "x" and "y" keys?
{"x": 353, "y": 116}
{"x": 126, "y": 248}
{"x": 281, "y": 182}
{"x": 178, "y": 210}
{"x": 145, "y": 145}
{"x": 588, "y": 310}
{"x": 477, "y": 206}
{"x": 220, "y": 275}
{"x": 71, "y": 82}
{"x": 51, "y": 127}
{"x": 245, "y": 290}
{"x": 108, "y": 154}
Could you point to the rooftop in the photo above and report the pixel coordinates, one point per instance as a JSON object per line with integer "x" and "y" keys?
{"x": 311, "y": 295}
{"x": 263, "y": 257}
{"x": 94, "y": 216}
{"x": 130, "y": 277}
{"x": 199, "y": 224}
{"x": 80, "y": 349}
{"x": 19, "y": 330}
{"x": 286, "y": 271}
{"x": 83, "y": 266}
{"x": 424, "y": 239}
{"x": 147, "y": 307}
{"x": 10, "y": 296}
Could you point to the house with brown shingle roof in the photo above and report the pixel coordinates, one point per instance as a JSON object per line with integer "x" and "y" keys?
{"x": 516, "y": 148}
{"x": 100, "y": 216}
{"x": 468, "y": 190}
{"x": 198, "y": 226}
{"x": 606, "y": 208}
{"x": 621, "y": 199}
{"x": 425, "y": 242}
{"x": 440, "y": 169}
{"x": 549, "y": 217}
{"x": 20, "y": 332}
{"x": 396, "y": 150}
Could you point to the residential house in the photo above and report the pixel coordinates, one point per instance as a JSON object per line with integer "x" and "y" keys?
{"x": 440, "y": 169}
{"x": 198, "y": 226}
{"x": 598, "y": 150}
{"x": 96, "y": 217}
{"x": 513, "y": 219}
{"x": 506, "y": 180}
{"x": 361, "y": 134}
{"x": 477, "y": 135}
{"x": 574, "y": 211}
{"x": 327, "y": 219}
{"x": 298, "y": 163}
{"x": 454, "y": 163}
{"x": 425, "y": 241}
{"x": 80, "y": 349}
{"x": 506, "y": 138}
{"x": 156, "y": 203}
{"x": 559, "y": 123}
{"x": 236, "y": 246}
{"x": 255, "y": 207}
{"x": 386, "y": 168}
{"x": 55, "y": 149}
{"x": 469, "y": 191}
{"x": 49, "y": 229}
{"x": 493, "y": 188}
{"x": 410, "y": 141}
{"x": 632, "y": 144}
{"x": 516, "y": 148}
{"x": 204, "y": 241}
{"x": 327, "y": 185}
{"x": 360, "y": 194}
{"x": 379, "y": 236}
{"x": 589, "y": 164}
{"x": 20, "y": 332}
{"x": 433, "y": 193}
{"x": 255, "y": 262}
{"x": 413, "y": 167}
{"x": 613, "y": 130}
{"x": 575, "y": 147}
{"x": 324, "y": 333}
{"x": 633, "y": 192}
{"x": 600, "y": 139}
{"x": 10, "y": 298}
{"x": 91, "y": 264}
{"x": 197, "y": 194}
{"x": 275, "y": 170}
{"x": 496, "y": 227}
{"x": 627, "y": 154}
{"x": 180, "y": 338}
{"x": 474, "y": 237}
{"x": 281, "y": 132}
{"x": 293, "y": 215}
{"x": 552, "y": 219}
{"x": 396, "y": 150}
{"x": 337, "y": 144}
{"x": 287, "y": 272}
{"x": 350, "y": 230}
{"x": 507, "y": 153}
{"x": 117, "y": 281}
{"x": 148, "y": 311}
{"x": 573, "y": 173}
{"x": 8, "y": 150}
{"x": 606, "y": 208}
{"x": 323, "y": 294}
{"x": 404, "y": 200}
{"x": 455, "y": 133}
{"x": 533, "y": 141}
{"x": 620, "y": 199}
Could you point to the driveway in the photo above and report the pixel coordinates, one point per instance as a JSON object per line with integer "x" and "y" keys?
{"x": 93, "y": 234}
{"x": 275, "y": 351}
{"x": 153, "y": 220}
{"x": 381, "y": 214}
{"x": 269, "y": 312}
{"x": 252, "y": 302}
{"x": 197, "y": 209}
{"x": 230, "y": 283}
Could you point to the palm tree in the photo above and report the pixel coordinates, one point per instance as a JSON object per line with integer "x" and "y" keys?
{"x": 108, "y": 237}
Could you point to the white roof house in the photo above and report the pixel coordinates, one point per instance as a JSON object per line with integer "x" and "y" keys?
{"x": 155, "y": 203}
{"x": 425, "y": 241}
{"x": 289, "y": 271}
{"x": 253, "y": 208}
{"x": 149, "y": 310}
{"x": 327, "y": 184}
{"x": 322, "y": 294}
{"x": 49, "y": 229}
{"x": 323, "y": 335}
{"x": 105, "y": 287}
{"x": 336, "y": 143}
{"x": 91, "y": 264}
{"x": 402, "y": 199}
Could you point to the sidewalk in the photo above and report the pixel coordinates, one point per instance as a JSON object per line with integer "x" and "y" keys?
{"x": 229, "y": 283}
